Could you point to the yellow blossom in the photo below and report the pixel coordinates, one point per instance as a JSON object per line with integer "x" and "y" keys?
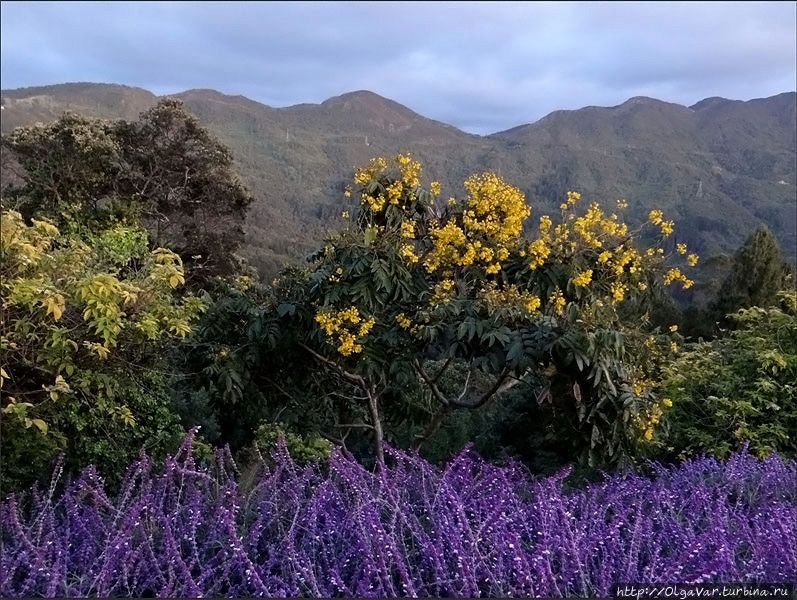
{"x": 409, "y": 169}
{"x": 618, "y": 291}
{"x": 655, "y": 216}
{"x": 375, "y": 167}
{"x": 583, "y": 279}
{"x": 538, "y": 251}
{"x": 435, "y": 188}
{"x": 408, "y": 230}
{"x": 394, "y": 192}
{"x": 673, "y": 328}
{"x": 545, "y": 224}
{"x": 407, "y": 252}
{"x": 557, "y": 301}
{"x": 692, "y": 259}
{"x": 681, "y": 248}
{"x": 532, "y": 303}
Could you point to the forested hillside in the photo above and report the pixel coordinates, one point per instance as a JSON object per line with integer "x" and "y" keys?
{"x": 720, "y": 167}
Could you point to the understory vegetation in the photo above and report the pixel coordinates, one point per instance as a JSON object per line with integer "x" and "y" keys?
{"x": 426, "y": 322}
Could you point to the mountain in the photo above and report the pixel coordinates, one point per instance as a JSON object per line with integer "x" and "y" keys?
{"x": 719, "y": 167}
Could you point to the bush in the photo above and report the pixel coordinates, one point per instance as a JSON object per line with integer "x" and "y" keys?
{"x": 85, "y": 324}
{"x": 470, "y": 530}
{"x": 737, "y": 389}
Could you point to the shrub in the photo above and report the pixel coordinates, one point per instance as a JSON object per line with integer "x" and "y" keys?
{"x": 83, "y": 327}
{"x": 737, "y": 389}
{"x": 472, "y": 529}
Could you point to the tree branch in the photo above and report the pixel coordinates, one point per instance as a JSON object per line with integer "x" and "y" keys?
{"x": 496, "y": 387}
{"x": 430, "y": 382}
{"x": 350, "y": 377}
{"x": 424, "y": 436}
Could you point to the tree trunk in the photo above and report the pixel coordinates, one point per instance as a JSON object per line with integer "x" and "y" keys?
{"x": 376, "y": 421}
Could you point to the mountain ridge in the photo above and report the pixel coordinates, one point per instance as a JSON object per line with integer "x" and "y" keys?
{"x": 719, "y": 167}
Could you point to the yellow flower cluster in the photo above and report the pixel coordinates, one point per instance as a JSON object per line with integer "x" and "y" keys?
{"x": 434, "y": 187}
{"x": 374, "y": 203}
{"x": 692, "y": 259}
{"x": 583, "y": 279}
{"x": 667, "y": 227}
{"x": 407, "y": 252}
{"x": 241, "y": 283}
{"x": 348, "y": 326}
{"x": 408, "y": 230}
{"x": 491, "y": 297}
{"x": 409, "y": 169}
{"x": 447, "y": 242}
{"x": 394, "y": 192}
{"x": 492, "y": 218}
{"x": 618, "y": 291}
{"x": 654, "y": 416}
{"x": 538, "y": 251}
{"x": 495, "y": 208}
{"x": 404, "y": 321}
{"x": 443, "y": 292}
{"x": 375, "y": 167}
{"x": 337, "y": 275}
{"x": 676, "y": 275}
{"x": 680, "y": 248}
{"x": 656, "y": 217}
{"x": 557, "y": 301}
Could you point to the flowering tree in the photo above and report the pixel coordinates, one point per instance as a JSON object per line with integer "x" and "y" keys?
{"x": 413, "y": 285}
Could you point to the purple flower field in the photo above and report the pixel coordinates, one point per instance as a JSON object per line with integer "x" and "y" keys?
{"x": 472, "y": 529}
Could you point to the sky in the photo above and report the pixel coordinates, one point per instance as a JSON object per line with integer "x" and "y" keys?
{"x": 483, "y": 67}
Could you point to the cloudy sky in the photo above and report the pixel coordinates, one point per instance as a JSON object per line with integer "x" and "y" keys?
{"x": 483, "y": 67}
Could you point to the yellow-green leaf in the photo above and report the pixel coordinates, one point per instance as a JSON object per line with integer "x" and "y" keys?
{"x": 40, "y": 424}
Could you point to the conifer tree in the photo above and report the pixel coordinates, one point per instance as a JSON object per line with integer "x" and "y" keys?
{"x": 757, "y": 274}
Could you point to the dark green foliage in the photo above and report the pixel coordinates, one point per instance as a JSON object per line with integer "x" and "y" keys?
{"x": 757, "y": 274}
{"x": 164, "y": 170}
{"x": 82, "y": 429}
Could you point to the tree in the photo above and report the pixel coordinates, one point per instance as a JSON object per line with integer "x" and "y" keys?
{"x": 411, "y": 287}
{"x": 164, "y": 169}
{"x": 85, "y": 322}
{"x": 757, "y": 274}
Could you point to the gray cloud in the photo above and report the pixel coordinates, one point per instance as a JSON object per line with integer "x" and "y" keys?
{"x": 480, "y": 66}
